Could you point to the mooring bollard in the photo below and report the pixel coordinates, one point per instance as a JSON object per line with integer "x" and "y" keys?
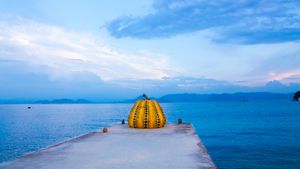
{"x": 179, "y": 121}
{"x": 123, "y": 121}
{"x": 105, "y": 130}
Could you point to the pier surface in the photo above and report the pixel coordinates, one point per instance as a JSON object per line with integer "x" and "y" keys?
{"x": 174, "y": 146}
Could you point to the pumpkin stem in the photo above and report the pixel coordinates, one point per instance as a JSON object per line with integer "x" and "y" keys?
{"x": 145, "y": 97}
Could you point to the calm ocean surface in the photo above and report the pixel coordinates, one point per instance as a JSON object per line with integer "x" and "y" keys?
{"x": 236, "y": 134}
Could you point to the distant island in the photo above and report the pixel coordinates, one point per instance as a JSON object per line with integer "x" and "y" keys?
{"x": 181, "y": 97}
{"x": 62, "y": 101}
{"x": 241, "y": 97}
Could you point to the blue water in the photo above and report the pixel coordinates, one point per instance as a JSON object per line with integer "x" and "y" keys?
{"x": 236, "y": 134}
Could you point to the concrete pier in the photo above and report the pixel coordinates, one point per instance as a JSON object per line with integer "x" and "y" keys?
{"x": 174, "y": 146}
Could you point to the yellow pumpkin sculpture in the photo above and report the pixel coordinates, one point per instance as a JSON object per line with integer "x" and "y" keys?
{"x": 146, "y": 114}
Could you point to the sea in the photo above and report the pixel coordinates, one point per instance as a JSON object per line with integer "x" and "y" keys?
{"x": 237, "y": 135}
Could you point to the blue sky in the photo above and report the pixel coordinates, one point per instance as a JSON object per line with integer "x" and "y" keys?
{"x": 118, "y": 49}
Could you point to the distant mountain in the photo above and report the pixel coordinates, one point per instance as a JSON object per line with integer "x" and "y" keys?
{"x": 62, "y": 101}
{"x": 135, "y": 99}
{"x": 191, "y": 97}
{"x": 183, "y": 97}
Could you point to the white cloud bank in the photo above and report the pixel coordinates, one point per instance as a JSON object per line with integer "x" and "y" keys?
{"x": 63, "y": 53}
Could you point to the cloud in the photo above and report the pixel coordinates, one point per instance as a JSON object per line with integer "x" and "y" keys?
{"x": 289, "y": 76}
{"x": 41, "y": 61}
{"x": 20, "y": 81}
{"x": 60, "y": 53}
{"x": 182, "y": 84}
{"x": 245, "y": 21}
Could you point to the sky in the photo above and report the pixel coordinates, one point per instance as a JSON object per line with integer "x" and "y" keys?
{"x": 110, "y": 49}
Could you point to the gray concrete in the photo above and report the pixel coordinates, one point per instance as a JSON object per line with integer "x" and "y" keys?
{"x": 174, "y": 146}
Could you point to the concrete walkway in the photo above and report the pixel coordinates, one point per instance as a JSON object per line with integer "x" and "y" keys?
{"x": 174, "y": 146}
